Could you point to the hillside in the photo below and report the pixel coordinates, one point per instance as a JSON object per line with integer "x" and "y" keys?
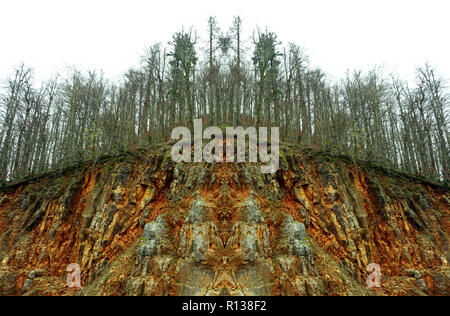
{"x": 142, "y": 225}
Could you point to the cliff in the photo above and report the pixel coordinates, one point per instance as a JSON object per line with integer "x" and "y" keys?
{"x": 139, "y": 224}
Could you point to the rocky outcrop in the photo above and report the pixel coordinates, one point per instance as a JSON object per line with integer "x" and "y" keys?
{"x": 143, "y": 225}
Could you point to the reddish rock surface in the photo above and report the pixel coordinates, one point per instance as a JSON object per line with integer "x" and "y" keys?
{"x": 143, "y": 225}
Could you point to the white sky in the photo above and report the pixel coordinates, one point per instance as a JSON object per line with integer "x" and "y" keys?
{"x": 49, "y": 35}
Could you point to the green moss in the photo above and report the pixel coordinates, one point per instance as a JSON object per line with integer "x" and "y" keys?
{"x": 166, "y": 158}
{"x": 283, "y": 158}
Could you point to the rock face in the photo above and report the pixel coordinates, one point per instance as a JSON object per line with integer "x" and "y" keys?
{"x": 146, "y": 226}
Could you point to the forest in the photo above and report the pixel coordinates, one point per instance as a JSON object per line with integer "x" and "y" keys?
{"x": 232, "y": 81}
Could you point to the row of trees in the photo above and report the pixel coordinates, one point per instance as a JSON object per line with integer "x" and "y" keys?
{"x": 365, "y": 115}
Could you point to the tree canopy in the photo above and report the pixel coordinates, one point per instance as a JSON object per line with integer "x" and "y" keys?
{"x": 366, "y": 115}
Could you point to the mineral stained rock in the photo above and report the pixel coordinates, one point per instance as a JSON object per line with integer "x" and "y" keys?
{"x": 147, "y": 226}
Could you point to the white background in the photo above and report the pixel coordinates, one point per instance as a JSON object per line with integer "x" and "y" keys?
{"x": 50, "y": 35}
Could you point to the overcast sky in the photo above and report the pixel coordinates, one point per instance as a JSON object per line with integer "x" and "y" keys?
{"x": 337, "y": 34}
